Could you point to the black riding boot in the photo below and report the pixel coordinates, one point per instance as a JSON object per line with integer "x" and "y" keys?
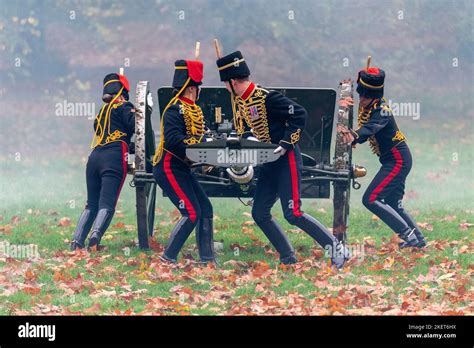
{"x": 409, "y": 238}
{"x": 205, "y": 240}
{"x": 178, "y": 236}
{"x": 394, "y": 220}
{"x": 82, "y": 229}
{"x": 419, "y": 235}
{"x": 317, "y": 231}
{"x": 279, "y": 240}
{"x": 101, "y": 223}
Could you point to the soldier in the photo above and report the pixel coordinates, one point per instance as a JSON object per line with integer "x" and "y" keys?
{"x": 273, "y": 118}
{"x": 182, "y": 124}
{"x": 385, "y": 193}
{"x": 107, "y": 164}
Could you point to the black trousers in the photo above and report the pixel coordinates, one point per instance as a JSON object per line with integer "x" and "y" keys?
{"x": 105, "y": 174}
{"x": 282, "y": 179}
{"x": 184, "y": 191}
{"x": 279, "y": 179}
{"x": 179, "y": 184}
{"x": 384, "y": 194}
{"x": 182, "y": 188}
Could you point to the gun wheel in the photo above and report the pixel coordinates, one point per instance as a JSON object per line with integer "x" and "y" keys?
{"x": 343, "y": 161}
{"x": 144, "y": 150}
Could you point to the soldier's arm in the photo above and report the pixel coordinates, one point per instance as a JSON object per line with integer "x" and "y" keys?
{"x": 376, "y": 122}
{"x": 175, "y": 135}
{"x": 293, "y": 114}
{"x": 128, "y": 117}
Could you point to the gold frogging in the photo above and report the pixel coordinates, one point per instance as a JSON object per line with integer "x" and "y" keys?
{"x": 362, "y": 118}
{"x": 254, "y": 112}
{"x": 193, "y": 120}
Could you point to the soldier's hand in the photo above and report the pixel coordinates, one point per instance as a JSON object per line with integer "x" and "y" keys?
{"x": 347, "y": 138}
{"x": 149, "y": 100}
{"x": 280, "y": 150}
{"x": 341, "y": 129}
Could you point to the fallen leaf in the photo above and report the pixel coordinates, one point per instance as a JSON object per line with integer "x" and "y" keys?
{"x": 119, "y": 225}
{"x": 449, "y": 218}
{"x": 32, "y": 290}
{"x": 425, "y": 225}
{"x": 447, "y": 276}
{"x": 64, "y": 222}
{"x": 388, "y": 263}
{"x": 6, "y": 229}
{"x": 464, "y": 226}
{"x": 30, "y": 276}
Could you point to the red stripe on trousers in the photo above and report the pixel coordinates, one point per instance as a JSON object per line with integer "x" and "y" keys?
{"x": 396, "y": 169}
{"x": 174, "y": 184}
{"x": 294, "y": 184}
{"x": 124, "y": 166}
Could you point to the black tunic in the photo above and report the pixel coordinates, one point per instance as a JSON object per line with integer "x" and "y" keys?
{"x": 269, "y": 116}
{"x": 119, "y": 127}
{"x": 379, "y": 127}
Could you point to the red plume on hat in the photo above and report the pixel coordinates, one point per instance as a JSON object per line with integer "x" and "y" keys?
{"x": 124, "y": 81}
{"x": 188, "y": 69}
{"x": 195, "y": 70}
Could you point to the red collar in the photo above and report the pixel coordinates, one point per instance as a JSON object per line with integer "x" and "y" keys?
{"x": 186, "y": 100}
{"x": 248, "y": 91}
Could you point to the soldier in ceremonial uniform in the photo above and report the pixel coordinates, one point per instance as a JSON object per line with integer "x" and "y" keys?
{"x": 107, "y": 164}
{"x": 182, "y": 124}
{"x": 376, "y": 123}
{"x": 271, "y": 117}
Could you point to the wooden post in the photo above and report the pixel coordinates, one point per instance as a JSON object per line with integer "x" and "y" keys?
{"x": 197, "y": 50}
{"x": 218, "y": 50}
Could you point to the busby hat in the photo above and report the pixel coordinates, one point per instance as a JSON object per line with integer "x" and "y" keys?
{"x": 370, "y": 82}
{"x": 113, "y": 83}
{"x": 184, "y": 69}
{"x": 232, "y": 66}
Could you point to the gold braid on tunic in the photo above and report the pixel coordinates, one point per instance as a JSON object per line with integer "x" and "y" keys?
{"x": 362, "y": 118}
{"x": 257, "y": 120}
{"x": 194, "y": 122}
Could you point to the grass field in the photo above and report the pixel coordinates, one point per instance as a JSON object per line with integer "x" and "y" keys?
{"x": 42, "y": 199}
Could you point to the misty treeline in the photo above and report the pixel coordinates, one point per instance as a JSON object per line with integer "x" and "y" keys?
{"x": 58, "y": 51}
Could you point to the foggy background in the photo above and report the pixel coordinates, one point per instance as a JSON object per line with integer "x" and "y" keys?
{"x": 59, "y": 51}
